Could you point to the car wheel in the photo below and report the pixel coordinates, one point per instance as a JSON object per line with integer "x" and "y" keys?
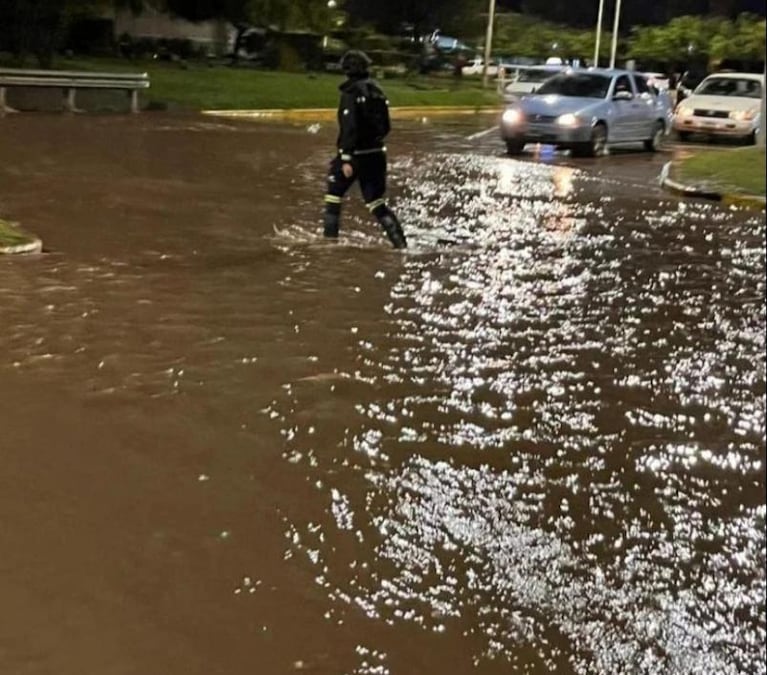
{"x": 683, "y": 136}
{"x": 752, "y": 137}
{"x": 652, "y": 144}
{"x": 595, "y": 147}
{"x": 514, "y": 147}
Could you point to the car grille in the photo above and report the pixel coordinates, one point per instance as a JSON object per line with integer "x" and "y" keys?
{"x": 541, "y": 119}
{"x": 542, "y": 126}
{"x": 721, "y": 114}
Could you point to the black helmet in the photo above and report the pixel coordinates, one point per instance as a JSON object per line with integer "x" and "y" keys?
{"x": 355, "y": 62}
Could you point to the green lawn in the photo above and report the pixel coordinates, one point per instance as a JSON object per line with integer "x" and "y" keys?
{"x": 201, "y": 87}
{"x": 737, "y": 170}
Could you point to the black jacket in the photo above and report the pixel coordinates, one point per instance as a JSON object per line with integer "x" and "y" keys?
{"x": 353, "y": 135}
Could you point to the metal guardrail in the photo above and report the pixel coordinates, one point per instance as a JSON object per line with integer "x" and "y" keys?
{"x": 70, "y": 81}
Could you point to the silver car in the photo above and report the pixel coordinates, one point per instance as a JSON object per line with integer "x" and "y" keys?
{"x": 587, "y": 110}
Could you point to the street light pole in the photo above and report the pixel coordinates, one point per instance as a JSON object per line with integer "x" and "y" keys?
{"x": 617, "y": 21}
{"x": 488, "y": 42}
{"x": 599, "y": 33}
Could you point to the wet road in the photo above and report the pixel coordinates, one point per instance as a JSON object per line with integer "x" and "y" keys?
{"x": 534, "y": 442}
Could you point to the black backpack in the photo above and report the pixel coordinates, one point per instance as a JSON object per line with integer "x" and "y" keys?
{"x": 373, "y": 111}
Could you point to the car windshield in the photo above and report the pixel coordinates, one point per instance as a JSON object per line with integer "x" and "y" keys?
{"x": 582, "y": 85}
{"x": 535, "y": 75}
{"x": 730, "y": 86}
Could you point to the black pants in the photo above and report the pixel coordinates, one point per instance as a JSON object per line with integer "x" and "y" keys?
{"x": 370, "y": 171}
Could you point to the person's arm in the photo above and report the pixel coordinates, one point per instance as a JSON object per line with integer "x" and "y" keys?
{"x": 349, "y": 130}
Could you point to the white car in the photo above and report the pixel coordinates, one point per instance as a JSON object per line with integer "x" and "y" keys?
{"x": 476, "y": 67}
{"x": 657, "y": 80}
{"x": 528, "y": 80}
{"x": 724, "y": 104}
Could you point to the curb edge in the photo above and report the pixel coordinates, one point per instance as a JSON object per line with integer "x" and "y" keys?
{"x": 330, "y": 113}
{"x": 682, "y": 189}
{"x": 35, "y": 246}
{"x": 728, "y": 198}
{"x": 32, "y": 245}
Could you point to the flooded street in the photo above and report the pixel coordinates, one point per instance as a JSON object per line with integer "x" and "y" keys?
{"x": 534, "y": 442}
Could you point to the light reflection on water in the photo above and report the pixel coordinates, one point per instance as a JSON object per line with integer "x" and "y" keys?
{"x": 562, "y": 450}
{"x": 535, "y": 438}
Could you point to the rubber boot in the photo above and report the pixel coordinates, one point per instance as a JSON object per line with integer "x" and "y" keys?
{"x": 393, "y": 230}
{"x": 331, "y": 222}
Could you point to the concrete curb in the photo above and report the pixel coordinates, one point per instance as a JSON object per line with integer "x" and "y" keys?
{"x": 728, "y": 198}
{"x": 302, "y": 114}
{"x": 35, "y": 246}
{"x": 746, "y": 201}
{"x": 32, "y": 245}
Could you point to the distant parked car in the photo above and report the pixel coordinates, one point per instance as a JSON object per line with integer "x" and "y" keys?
{"x": 724, "y": 104}
{"x": 585, "y": 110}
{"x": 476, "y": 67}
{"x": 449, "y": 45}
{"x": 528, "y": 80}
{"x": 658, "y": 80}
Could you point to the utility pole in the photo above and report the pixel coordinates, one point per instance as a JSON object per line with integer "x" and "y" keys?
{"x": 616, "y": 23}
{"x": 599, "y": 33}
{"x": 488, "y": 42}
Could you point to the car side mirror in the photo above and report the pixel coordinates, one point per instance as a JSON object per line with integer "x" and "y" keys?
{"x": 623, "y": 96}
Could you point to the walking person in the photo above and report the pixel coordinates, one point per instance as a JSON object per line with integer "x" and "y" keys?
{"x": 363, "y": 124}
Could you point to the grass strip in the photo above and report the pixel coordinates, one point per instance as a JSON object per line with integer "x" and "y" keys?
{"x": 740, "y": 170}
{"x": 197, "y": 86}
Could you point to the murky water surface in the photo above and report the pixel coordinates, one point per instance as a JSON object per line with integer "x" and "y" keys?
{"x": 533, "y": 443}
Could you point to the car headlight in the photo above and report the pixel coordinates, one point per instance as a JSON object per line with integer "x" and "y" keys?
{"x": 568, "y": 120}
{"x": 744, "y": 115}
{"x": 512, "y": 116}
{"x": 684, "y": 111}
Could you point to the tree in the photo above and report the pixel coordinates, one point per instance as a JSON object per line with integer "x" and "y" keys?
{"x": 584, "y": 14}
{"x": 423, "y": 15}
{"x": 636, "y": 12}
{"x": 741, "y": 39}
{"x": 700, "y": 38}
{"x": 313, "y": 15}
{"x": 282, "y": 14}
{"x": 521, "y": 35}
{"x": 37, "y": 26}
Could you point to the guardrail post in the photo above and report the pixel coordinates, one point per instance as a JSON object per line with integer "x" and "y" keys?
{"x": 4, "y": 107}
{"x": 69, "y": 99}
{"x": 134, "y": 101}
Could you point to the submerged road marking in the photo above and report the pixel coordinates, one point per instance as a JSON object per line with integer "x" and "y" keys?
{"x": 480, "y": 134}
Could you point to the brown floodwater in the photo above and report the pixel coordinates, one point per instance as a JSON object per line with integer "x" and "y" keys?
{"x": 532, "y": 443}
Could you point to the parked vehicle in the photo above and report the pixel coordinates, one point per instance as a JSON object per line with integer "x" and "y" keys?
{"x": 449, "y": 45}
{"x": 476, "y": 67}
{"x": 687, "y": 84}
{"x": 587, "y": 110}
{"x": 527, "y": 80}
{"x": 724, "y": 104}
{"x": 658, "y": 80}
